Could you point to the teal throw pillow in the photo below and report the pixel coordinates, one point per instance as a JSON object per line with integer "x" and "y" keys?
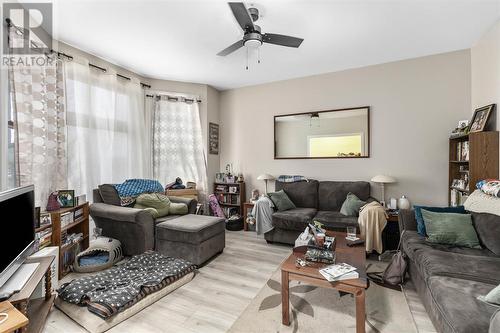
{"x": 493, "y": 297}
{"x": 450, "y": 228}
{"x": 281, "y": 200}
{"x": 352, "y": 205}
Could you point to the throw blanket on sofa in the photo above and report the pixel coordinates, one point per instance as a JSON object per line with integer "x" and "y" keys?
{"x": 291, "y": 179}
{"x": 132, "y": 188}
{"x": 480, "y": 202}
{"x": 262, "y": 212}
{"x": 121, "y": 286}
{"x": 372, "y": 220}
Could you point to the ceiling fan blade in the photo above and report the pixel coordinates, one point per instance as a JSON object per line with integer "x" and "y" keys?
{"x": 242, "y": 15}
{"x": 231, "y": 48}
{"x": 282, "y": 40}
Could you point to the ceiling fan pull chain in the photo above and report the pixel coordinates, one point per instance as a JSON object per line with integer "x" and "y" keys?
{"x": 247, "y": 59}
{"x": 258, "y": 55}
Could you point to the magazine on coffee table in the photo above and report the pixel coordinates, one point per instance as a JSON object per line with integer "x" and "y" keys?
{"x": 339, "y": 272}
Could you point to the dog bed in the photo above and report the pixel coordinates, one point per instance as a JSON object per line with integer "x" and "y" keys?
{"x": 102, "y": 253}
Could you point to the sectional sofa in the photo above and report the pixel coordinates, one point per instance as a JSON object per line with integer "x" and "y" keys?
{"x": 315, "y": 201}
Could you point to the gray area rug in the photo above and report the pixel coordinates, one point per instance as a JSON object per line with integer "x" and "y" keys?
{"x": 315, "y": 309}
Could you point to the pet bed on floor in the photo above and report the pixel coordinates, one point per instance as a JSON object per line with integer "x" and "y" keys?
{"x": 112, "y": 291}
{"x": 95, "y": 324}
{"x": 102, "y": 253}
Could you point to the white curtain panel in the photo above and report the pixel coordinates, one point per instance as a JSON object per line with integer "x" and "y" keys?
{"x": 107, "y": 140}
{"x": 177, "y": 143}
{"x": 38, "y": 102}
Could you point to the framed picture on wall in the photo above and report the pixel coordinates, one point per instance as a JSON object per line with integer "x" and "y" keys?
{"x": 213, "y": 139}
{"x": 480, "y": 118}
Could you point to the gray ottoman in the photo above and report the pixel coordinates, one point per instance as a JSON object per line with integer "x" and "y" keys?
{"x": 196, "y": 238}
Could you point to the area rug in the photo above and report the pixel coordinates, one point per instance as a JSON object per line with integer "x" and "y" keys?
{"x": 315, "y": 309}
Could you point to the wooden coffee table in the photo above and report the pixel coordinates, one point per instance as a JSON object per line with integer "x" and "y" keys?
{"x": 310, "y": 274}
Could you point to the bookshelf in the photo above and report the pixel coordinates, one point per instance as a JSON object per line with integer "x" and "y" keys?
{"x": 472, "y": 157}
{"x": 65, "y": 225}
{"x": 231, "y": 197}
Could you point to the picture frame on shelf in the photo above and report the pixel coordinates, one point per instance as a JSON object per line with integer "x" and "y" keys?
{"x": 220, "y": 177}
{"x": 480, "y": 118}
{"x": 66, "y": 198}
{"x": 45, "y": 219}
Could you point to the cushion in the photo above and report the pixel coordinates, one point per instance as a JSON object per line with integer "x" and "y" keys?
{"x": 303, "y": 194}
{"x": 488, "y": 230}
{"x": 450, "y": 228}
{"x": 332, "y": 194}
{"x": 420, "y": 219}
{"x": 490, "y": 187}
{"x": 335, "y": 220}
{"x": 109, "y": 194}
{"x": 178, "y": 208}
{"x": 281, "y": 201}
{"x": 190, "y": 228}
{"x": 159, "y": 202}
{"x": 493, "y": 297}
{"x": 352, "y": 205}
{"x": 293, "y": 219}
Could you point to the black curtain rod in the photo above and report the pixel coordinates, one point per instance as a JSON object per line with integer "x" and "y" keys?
{"x": 177, "y": 99}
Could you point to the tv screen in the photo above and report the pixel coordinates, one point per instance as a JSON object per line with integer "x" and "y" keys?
{"x": 17, "y": 207}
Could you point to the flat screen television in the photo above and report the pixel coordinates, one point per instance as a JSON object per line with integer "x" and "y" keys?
{"x": 17, "y": 208}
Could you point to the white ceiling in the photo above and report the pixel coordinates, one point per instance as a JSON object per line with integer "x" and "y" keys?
{"x": 178, "y": 40}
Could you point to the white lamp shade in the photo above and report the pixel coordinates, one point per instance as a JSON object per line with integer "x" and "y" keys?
{"x": 265, "y": 176}
{"x": 383, "y": 179}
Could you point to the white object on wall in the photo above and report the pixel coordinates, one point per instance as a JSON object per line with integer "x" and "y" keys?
{"x": 54, "y": 270}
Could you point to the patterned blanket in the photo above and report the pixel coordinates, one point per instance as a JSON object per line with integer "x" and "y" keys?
{"x": 291, "y": 179}
{"x": 132, "y": 188}
{"x": 123, "y": 285}
{"x": 490, "y": 187}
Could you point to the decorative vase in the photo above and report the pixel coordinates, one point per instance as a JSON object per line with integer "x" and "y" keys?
{"x": 403, "y": 202}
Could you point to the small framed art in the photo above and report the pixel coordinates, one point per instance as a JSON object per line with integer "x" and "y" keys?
{"x": 66, "y": 198}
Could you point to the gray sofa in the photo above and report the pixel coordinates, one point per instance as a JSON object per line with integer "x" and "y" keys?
{"x": 448, "y": 279}
{"x": 134, "y": 228}
{"x": 315, "y": 201}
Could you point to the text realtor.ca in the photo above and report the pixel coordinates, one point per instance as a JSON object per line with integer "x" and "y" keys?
{"x": 28, "y": 39}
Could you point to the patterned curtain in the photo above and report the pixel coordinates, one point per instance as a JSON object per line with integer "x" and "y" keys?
{"x": 38, "y": 101}
{"x": 177, "y": 143}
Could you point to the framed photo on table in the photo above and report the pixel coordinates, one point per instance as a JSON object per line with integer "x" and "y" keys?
{"x": 66, "y": 198}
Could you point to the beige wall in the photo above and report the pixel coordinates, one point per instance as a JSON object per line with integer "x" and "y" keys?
{"x": 485, "y": 71}
{"x": 209, "y": 107}
{"x": 414, "y": 106}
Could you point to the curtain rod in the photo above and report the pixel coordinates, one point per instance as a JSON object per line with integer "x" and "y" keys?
{"x": 69, "y": 57}
{"x": 176, "y": 98}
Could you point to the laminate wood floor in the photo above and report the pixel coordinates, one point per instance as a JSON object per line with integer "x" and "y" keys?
{"x": 216, "y": 297}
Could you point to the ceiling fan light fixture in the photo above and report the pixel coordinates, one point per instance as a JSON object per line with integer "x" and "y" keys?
{"x": 253, "y": 43}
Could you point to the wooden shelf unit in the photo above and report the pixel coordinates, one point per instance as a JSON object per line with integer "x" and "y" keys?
{"x": 239, "y": 196}
{"x": 482, "y": 162}
{"x": 80, "y": 225}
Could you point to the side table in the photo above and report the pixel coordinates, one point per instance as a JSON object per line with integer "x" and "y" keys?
{"x": 391, "y": 233}
{"x": 15, "y": 321}
{"x": 246, "y": 207}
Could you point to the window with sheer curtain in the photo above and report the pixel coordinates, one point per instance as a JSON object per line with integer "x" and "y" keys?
{"x": 107, "y": 140}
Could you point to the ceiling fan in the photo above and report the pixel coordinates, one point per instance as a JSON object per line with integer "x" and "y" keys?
{"x": 252, "y": 36}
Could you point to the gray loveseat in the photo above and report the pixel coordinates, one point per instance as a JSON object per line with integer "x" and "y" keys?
{"x": 448, "y": 279}
{"x": 135, "y": 228}
{"x": 315, "y": 201}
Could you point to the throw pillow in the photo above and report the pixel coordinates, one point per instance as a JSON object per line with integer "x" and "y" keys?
{"x": 420, "y": 219}
{"x": 450, "y": 228}
{"x": 352, "y": 205}
{"x": 158, "y": 201}
{"x": 178, "y": 208}
{"x": 488, "y": 230}
{"x": 109, "y": 194}
{"x": 151, "y": 210}
{"x": 493, "y": 297}
{"x": 281, "y": 201}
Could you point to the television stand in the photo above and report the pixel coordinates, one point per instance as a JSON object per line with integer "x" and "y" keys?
{"x": 17, "y": 281}
{"x": 36, "y": 310}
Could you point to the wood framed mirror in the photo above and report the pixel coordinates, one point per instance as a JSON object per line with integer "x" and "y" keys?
{"x": 341, "y": 133}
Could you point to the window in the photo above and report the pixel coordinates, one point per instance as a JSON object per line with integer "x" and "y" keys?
{"x": 339, "y": 145}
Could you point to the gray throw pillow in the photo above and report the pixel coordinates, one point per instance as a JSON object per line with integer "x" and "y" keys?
{"x": 109, "y": 194}
{"x": 281, "y": 201}
{"x": 488, "y": 229}
{"x": 352, "y": 205}
{"x": 493, "y": 297}
{"x": 450, "y": 228}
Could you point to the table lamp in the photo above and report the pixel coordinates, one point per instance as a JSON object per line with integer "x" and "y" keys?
{"x": 265, "y": 177}
{"x": 382, "y": 180}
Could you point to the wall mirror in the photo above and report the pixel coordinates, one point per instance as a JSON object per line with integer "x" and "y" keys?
{"x": 343, "y": 133}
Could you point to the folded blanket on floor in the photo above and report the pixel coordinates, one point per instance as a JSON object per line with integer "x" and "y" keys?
{"x": 132, "y": 188}
{"x": 121, "y": 286}
{"x": 291, "y": 179}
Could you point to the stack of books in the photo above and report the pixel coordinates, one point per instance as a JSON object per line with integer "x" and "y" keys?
{"x": 339, "y": 272}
